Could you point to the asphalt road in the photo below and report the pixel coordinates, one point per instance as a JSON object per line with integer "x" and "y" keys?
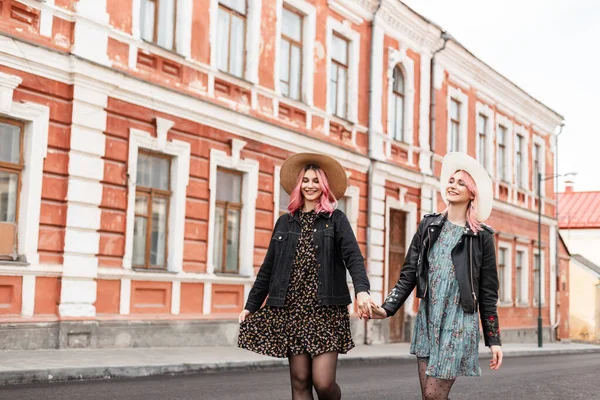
{"x": 523, "y": 378}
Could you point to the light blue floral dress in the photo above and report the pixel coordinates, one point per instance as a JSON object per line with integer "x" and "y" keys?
{"x": 443, "y": 332}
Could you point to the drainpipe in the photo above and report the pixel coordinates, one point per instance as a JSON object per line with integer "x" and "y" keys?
{"x": 444, "y": 36}
{"x": 557, "y": 261}
{"x": 368, "y": 334}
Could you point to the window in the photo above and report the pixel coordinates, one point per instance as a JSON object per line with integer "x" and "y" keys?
{"x": 228, "y": 213}
{"x": 482, "y": 122}
{"x": 398, "y": 104}
{"x": 290, "y": 65}
{"x": 152, "y": 198}
{"x": 519, "y": 161}
{"x": 231, "y": 36}
{"x": 536, "y": 165}
{"x": 520, "y": 279}
{"x": 158, "y": 23}
{"x": 454, "y": 124}
{"x": 11, "y": 167}
{"x": 501, "y": 157}
{"x": 338, "y": 92}
{"x": 284, "y": 201}
{"x": 536, "y": 278}
{"x": 502, "y": 274}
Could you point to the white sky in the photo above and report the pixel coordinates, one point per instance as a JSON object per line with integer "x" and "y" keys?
{"x": 550, "y": 49}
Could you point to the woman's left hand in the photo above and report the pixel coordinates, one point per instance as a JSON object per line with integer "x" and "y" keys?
{"x": 496, "y": 360}
{"x": 363, "y": 301}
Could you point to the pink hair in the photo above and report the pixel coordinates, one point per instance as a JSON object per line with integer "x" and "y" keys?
{"x": 474, "y": 224}
{"x": 326, "y": 203}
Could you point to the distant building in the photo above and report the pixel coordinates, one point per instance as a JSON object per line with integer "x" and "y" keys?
{"x": 579, "y": 219}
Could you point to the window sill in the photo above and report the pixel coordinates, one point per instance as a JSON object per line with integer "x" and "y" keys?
{"x": 236, "y": 80}
{"x": 231, "y": 275}
{"x": 522, "y": 305}
{"x": 171, "y": 51}
{"x": 10, "y": 263}
{"x": 505, "y": 304}
{"x": 142, "y": 269}
{"x": 348, "y": 124}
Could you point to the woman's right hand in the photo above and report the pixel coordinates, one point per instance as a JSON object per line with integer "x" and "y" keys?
{"x": 243, "y": 315}
{"x": 378, "y": 311}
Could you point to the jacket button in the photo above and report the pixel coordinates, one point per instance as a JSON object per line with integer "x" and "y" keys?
{"x": 317, "y": 246}
{"x": 315, "y": 230}
{"x": 279, "y": 237}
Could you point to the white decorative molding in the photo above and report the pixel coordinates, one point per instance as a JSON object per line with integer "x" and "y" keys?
{"x": 35, "y": 149}
{"x": 438, "y": 76}
{"x": 376, "y": 135}
{"x": 486, "y": 111}
{"x": 309, "y": 26}
{"x": 338, "y": 7}
{"x": 28, "y": 295}
{"x": 176, "y": 297}
{"x": 236, "y": 147}
{"x": 353, "y": 38}
{"x": 250, "y": 170}
{"x": 8, "y": 83}
{"x": 424, "y": 112}
{"x": 46, "y": 19}
{"x": 125, "y": 297}
{"x": 463, "y": 99}
{"x": 91, "y": 34}
{"x": 207, "y": 300}
{"x": 180, "y": 173}
{"x": 458, "y": 82}
{"x": 252, "y": 38}
{"x": 353, "y": 200}
{"x": 163, "y": 126}
{"x": 276, "y": 192}
{"x": 481, "y": 95}
{"x": 399, "y": 57}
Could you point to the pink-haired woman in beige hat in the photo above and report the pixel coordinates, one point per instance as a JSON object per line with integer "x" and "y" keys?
{"x": 452, "y": 262}
{"x": 305, "y": 318}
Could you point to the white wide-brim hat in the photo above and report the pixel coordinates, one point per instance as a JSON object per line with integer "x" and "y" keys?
{"x": 456, "y": 161}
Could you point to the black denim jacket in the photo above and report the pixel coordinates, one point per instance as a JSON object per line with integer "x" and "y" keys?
{"x": 474, "y": 259}
{"x": 336, "y": 250}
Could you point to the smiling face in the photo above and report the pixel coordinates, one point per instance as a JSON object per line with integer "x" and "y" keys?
{"x": 457, "y": 191}
{"x": 311, "y": 188}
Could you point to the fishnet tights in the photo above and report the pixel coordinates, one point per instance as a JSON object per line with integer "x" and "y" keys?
{"x": 432, "y": 388}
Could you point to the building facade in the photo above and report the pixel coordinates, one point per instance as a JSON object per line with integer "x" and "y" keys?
{"x": 579, "y": 221}
{"x": 142, "y": 142}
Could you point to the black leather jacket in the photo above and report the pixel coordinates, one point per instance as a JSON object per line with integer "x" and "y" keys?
{"x": 474, "y": 259}
{"x": 336, "y": 250}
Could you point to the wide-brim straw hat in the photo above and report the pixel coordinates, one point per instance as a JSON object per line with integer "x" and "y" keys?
{"x": 291, "y": 168}
{"x": 456, "y": 161}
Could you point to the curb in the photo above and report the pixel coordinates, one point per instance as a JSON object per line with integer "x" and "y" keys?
{"x": 123, "y": 372}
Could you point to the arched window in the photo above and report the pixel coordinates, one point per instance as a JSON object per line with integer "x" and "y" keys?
{"x": 397, "y": 116}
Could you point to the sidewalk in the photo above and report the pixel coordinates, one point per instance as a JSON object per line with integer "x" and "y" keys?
{"x": 61, "y": 365}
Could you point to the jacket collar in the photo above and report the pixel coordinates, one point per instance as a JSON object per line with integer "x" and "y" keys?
{"x": 441, "y": 218}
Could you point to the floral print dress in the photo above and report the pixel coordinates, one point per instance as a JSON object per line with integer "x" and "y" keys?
{"x": 302, "y": 325}
{"x": 443, "y": 332}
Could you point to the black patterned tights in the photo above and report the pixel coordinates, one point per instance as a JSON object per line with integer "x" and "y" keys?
{"x": 318, "y": 371}
{"x": 432, "y": 388}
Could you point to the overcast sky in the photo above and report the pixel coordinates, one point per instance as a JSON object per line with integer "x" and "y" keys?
{"x": 550, "y": 49}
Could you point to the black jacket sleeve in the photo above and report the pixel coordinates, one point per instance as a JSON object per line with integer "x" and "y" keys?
{"x": 488, "y": 293}
{"x": 408, "y": 275}
{"x": 260, "y": 289}
{"x": 350, "y": 252}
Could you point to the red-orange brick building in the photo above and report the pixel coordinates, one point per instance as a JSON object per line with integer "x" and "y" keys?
{"x": 141, "y": 142}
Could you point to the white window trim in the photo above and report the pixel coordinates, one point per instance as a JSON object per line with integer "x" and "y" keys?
{"x": 309, "y": 27}
{"x": 525, "y": 275}
{"x": 411, "y": 228}
{"x": 249, "y": 168}
{"x": 542, "y": 275}
{"x": 539, "y": 141}
{"x": 35, "y": 148}
{"x": 352, "y": 201}
{"x": 180, "y": 172}
{"x": 463, "y": 99}
{"x": 276, "y": 192}
{"x": 252, "y": 38}
{"x": 486, "y": 111}
{"x": 507, "y": 123}
{"x": 353, "y": 38}
{"x": 183, "y": 33}
{"x": 521, "y": 131}
{"x": 396, "y": 57}
{"x": 507, "y": 275}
